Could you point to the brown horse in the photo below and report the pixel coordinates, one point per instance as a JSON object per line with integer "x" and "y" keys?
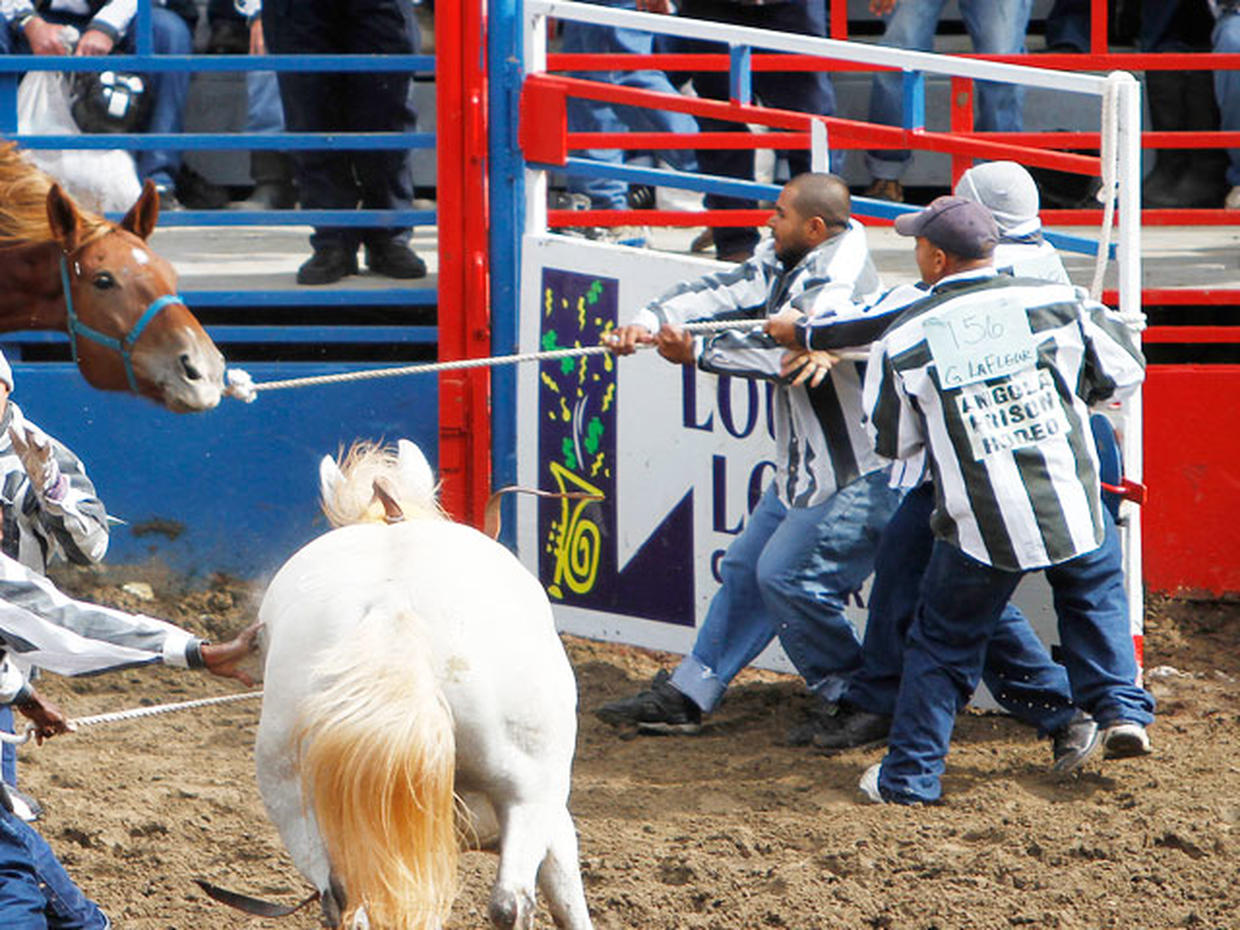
{"x": 65, "y": 269}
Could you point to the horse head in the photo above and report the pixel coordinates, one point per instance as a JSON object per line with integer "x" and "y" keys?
{"x": 128, "y": 328}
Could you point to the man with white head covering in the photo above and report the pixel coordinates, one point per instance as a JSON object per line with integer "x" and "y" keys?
{"x": 1007, "y": 190}
{"x": 48, "y": 509}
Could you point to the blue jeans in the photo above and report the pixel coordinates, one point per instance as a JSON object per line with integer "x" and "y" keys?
{"x": 1068, "y": 26}
{"x": 597, "y": 116}
{"x": 1020, "y": 673}
{"x": 264, "y": 113}
{"x": 8, "y": 753}
{"x": 1227, "y": 88}
{"x": 961, "y": 600}
{"x": 789, "y": 574}
{"x": 169, "y": 36}
{"x": 36, "y": 893}
{"x": 804, "y": 92}
{"x": 997, "y": 27}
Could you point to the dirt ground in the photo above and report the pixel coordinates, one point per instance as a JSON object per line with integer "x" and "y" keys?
{"x": 728, "y": 829}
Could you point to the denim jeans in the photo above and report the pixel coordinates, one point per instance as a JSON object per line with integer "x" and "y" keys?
{"x": 169, "y": 36}
{"x": 36, "y": 893}
{"x": 804, "y": 92}
{"x": 789, "y": 574}
{"x": 961, "y": 600}
{"x": 264, "y": 112}
{"x": 597, "y": 116}
{"x": 8, "y": 753}
{"x": 1019, "y": 671}
{"x": 997, "y": 27}
{"x": 1227, "y": 88}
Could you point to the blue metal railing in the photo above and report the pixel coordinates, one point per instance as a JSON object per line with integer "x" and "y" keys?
{"x": 12, "y": 66}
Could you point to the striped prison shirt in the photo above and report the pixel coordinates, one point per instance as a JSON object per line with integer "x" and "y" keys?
{"x": 36, "y": 530}
{"x": 991, "y": 375}
{"x": 821, "y": 445}
{"x": 40, "y": 626}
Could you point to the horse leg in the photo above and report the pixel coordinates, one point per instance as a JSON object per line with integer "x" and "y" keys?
{"x": 281, "y": 792}
{"x": 560, "y": 876}
{"x": 522, "y": 848}
{"x": 477, "y": 822}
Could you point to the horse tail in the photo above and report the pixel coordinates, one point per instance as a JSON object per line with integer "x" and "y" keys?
{"x": 377, "y": 758}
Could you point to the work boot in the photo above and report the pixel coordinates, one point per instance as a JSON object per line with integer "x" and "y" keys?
{"x": 1075, "y": 743}
{"x": 273, "y": 183}
{"x": 850, "y": 728}
{"x": 328, "y": 265}
{"x": 888, "y": 189}
{"x": 659, "y": 709}
{"x": 394, "y": 259}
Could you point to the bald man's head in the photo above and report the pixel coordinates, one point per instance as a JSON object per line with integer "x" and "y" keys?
{"x": 811, "y": 209}
{"x": 821, "y": 195}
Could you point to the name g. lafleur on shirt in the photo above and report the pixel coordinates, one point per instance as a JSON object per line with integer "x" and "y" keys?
{"x": 991, "y": 376}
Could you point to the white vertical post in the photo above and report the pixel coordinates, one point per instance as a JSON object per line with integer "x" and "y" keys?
{"x": 1129, "y": 267}
{"x": 819, "y": 149}
{"x": 535, "y": 179}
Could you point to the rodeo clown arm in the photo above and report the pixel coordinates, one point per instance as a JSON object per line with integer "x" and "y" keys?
{"x": 41, "y": 626}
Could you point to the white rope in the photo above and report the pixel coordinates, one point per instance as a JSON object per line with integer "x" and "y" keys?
{"x": 243, "y": 387}
{"x": 1109, "y": 156}
{"x": 134, "y": 713}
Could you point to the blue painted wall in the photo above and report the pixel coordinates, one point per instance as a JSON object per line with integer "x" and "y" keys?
{"x": 241, "y": 480}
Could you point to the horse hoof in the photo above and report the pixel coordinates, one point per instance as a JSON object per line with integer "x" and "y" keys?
{"x": 512, "y": 910}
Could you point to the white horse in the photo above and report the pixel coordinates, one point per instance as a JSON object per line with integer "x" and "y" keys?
{"x": 408, "y": 657}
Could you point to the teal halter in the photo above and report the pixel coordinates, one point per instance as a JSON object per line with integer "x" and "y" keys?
{"x": 123, "y": 346}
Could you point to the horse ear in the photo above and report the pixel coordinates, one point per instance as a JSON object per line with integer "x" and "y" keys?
{"x": 144, "y": 214}
{"x": 330, "y": 478}
{"x": 415, "y": 471}
{"x": 63, "y": 219}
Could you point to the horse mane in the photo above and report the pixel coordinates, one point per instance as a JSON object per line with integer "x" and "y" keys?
{"x": 23, "y": 203}
{"x": 352, "y": 498}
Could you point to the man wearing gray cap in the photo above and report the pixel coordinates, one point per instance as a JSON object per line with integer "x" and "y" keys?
{"x": 989, "y": 376}
{"x": 1008, "y": 191}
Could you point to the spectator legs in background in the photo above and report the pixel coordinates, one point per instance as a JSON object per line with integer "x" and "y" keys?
{"x": 1227, "y": 91}
{"x": 1184, "y": 100}
{"x": 803, "y": 92}
{"x": 1067, "y": 26}
{"x": 271, "y": 171}
{"x": 170, "y": 36}
{"x": 996, "y": 27}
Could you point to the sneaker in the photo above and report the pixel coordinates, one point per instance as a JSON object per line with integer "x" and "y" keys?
{"x": 641, "y": 197}
{"x": 661, "y": 709}
{"x": 167, "y": 198}
{"x": 851, "y": 728}
{"x": 869, "y": 784}
{"x": 328, "y": 265}
{"x": 1125, "y": 740}
{"x": 886, "y": 189}
{"x": 1075, "y": 743}
{"x": 632, "y": 236}
{"x": 1232, "y": 201}
{"x": 24, "y": 806}
{"x": 394, "y": 260}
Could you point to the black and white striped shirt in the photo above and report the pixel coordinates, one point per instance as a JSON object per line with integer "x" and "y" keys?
{"x": 821, "y": 445}
{"x": 992, "y": 375}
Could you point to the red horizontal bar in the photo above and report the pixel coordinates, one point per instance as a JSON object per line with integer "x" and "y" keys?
{"x": 872, "y": 134}
{"x": 1182, "y": 297}
{"x": 1193, "y": 334}
{"x": 643, "y": 141}
{"x": 1160, "y": 217}
{"x": 1057, "y": 61}
{"x": 560, "y": 218}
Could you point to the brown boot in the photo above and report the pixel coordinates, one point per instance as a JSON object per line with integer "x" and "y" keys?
{"x": 886, "y": 189}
